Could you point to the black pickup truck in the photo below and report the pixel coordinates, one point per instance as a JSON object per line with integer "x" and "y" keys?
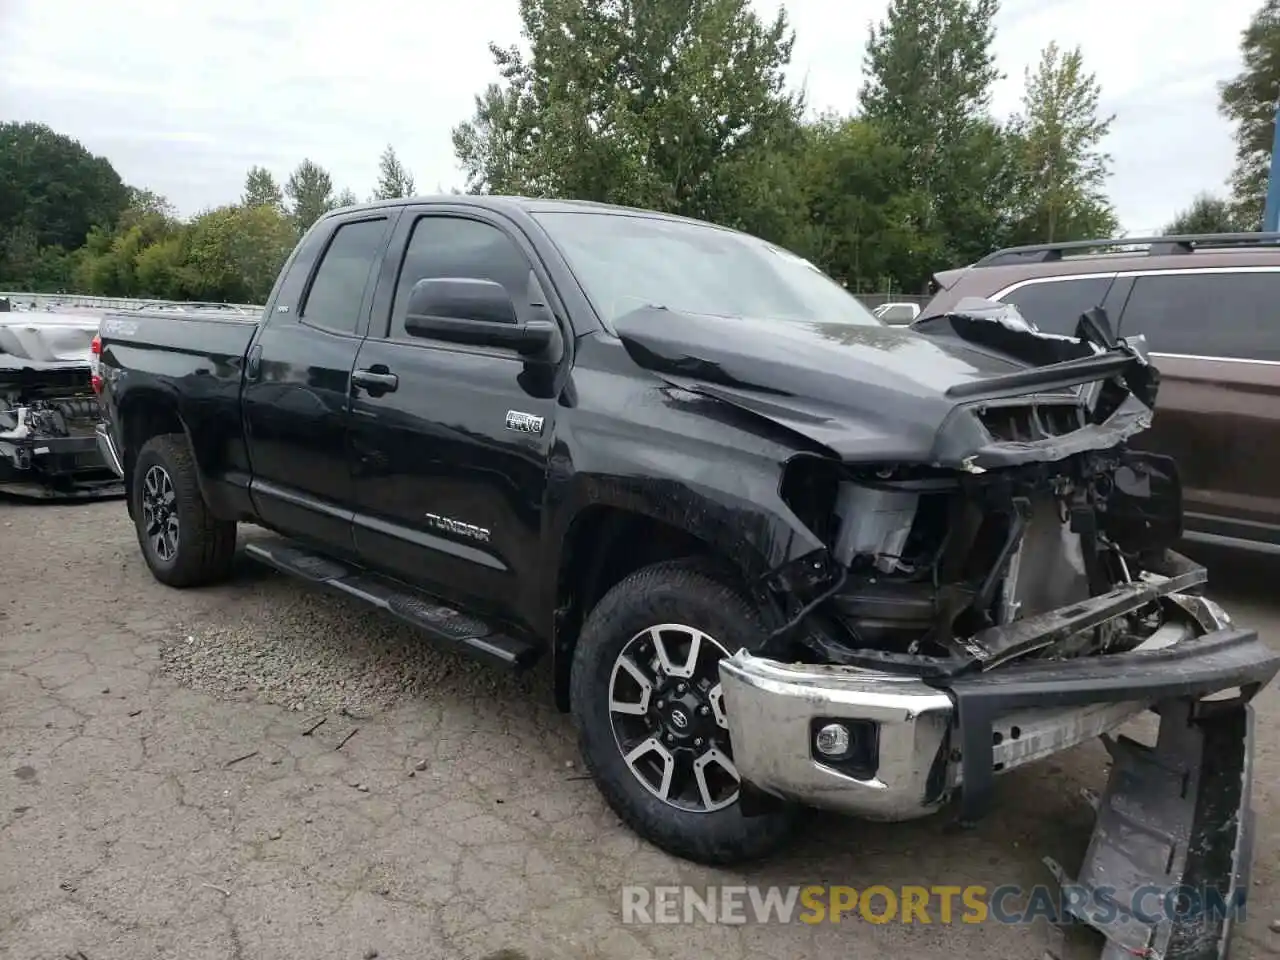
{"x": 779, "y": 553}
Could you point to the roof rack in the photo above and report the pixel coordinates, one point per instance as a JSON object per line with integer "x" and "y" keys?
{"x": 1156, "y": 246}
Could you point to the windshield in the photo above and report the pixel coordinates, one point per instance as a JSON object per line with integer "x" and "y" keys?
{"x": 625, "y": 262}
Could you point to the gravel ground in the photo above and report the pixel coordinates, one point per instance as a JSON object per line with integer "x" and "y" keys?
{"x": 165, "y": 791}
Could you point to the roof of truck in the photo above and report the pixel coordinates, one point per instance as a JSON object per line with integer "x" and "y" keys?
{"x": 529, "y": 205}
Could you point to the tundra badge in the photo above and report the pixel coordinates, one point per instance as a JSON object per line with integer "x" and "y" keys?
{"x": 450, "y": 525}
{"x": 524, "y": 422}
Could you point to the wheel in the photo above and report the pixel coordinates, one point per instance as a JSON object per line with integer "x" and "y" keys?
{"x": 645, "y": 696}
{"x": 182, "y": 542}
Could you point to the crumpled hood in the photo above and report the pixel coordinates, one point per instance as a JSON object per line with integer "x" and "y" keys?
{"x": 47, "y": 338}
{"x": 883, "y": 394}
{"x": 862, "y": 391}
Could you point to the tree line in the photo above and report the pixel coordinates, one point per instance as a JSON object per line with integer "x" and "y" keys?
{"x": 680, "y": 106}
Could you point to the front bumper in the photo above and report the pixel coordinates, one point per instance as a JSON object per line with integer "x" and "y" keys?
{"x": 56, "y": 468}
{"x": 919, "y": 739}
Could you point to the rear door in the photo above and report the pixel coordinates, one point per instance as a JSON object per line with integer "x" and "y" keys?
{"x": 450, "y": 477}
{"x": 1214, "y": 334}
{"x": 296, "y": 399}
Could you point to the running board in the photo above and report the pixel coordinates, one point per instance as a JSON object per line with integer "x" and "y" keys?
{"x": 1175, "y": 818}
{"x": 441, "y": 623}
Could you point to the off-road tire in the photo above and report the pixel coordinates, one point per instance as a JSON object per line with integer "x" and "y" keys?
{"x": 205, "y": 545}
{"x": 671, "y": 592}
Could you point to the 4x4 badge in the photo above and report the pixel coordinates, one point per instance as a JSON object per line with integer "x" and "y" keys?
{"x": 524, "y": 422}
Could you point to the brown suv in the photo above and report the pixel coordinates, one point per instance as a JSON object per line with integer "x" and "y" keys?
{"x": 1209, "y": 307}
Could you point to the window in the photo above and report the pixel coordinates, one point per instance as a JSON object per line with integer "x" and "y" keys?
{"x": 626, "y": 262}
{"x": 458, "y": 248}
{"x": 337, "y": 289}
{"x": 1055, "y": 306}
{"x": 1207, "y": 314}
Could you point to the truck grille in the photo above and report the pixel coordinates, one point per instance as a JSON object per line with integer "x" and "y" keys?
{"x": 1034, "y": 421}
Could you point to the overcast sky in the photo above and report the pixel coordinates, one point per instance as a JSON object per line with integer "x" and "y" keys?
{"x": 183, "y": 97}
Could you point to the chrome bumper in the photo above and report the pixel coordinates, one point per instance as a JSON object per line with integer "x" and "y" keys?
{"x": 773, "y": 710}
{"x": 107, "y": 447}
{"x": 914, "y": 732}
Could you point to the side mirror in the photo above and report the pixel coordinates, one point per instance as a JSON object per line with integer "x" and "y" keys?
{"x": 475, "y": 312}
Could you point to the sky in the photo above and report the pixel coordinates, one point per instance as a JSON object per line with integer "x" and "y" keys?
{"x": 183, "y": 97}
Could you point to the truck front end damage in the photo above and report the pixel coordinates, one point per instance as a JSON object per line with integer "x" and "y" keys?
{"x": 48, "y": 411}
{"x": 1010, "y": 596}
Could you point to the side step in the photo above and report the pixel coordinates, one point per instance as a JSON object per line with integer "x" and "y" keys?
{"x": 443, "y": 624}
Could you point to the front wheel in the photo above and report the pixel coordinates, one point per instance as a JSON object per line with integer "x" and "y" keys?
{"x": 183, "y": 543}
{"x": 646, "y": 698}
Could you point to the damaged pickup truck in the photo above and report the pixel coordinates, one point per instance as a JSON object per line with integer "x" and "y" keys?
{"x": 48, "y": 412}
{"x": 778, "y": 553}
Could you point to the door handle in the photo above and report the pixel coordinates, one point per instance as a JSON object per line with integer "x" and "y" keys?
{"x": 374, "y": 380}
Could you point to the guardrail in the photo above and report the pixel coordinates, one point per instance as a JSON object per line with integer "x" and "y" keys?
{"x": 80, "y": 301}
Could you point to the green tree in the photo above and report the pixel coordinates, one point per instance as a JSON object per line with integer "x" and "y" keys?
{"x": 261, "y": 189}
{"x": 678, "y": 105}
{"x": 310, "y": 193}
{"x": 394, "y": 180}
{"x": 234, "y": 253}
{"x": 861, "y": 210}
{"x": 345, "y": 197}
{"x": 53, "y": 185}
{"x": 930, "y": 70}
{"x": 1249, "y": 101}
{"x": 1061, "y": 166}
{"x": 1207, "y": 214}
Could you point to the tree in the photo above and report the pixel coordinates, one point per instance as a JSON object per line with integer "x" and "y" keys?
{"x": 52, "y": 191}
{"x": 393, "y": 179}
{"x": 1062, "y": 169}
{"x": 1249, "y": 101}
{"x": 861, "y": 211}
{"x": 345, "y": 197}
{"x": 234, "y": 253}
{"x": 310, "y": 192}
{"x": 1207, "y": 214}
{"x": 930, "y": 70}
{"x": 678, "y": 105}
{"x": 261, "y": 189}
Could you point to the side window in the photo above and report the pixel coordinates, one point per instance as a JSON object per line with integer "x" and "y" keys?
{"x": 1055, "y": 306}
{"x": 458, "y": 248}
{"x": 1207, "y": 314}
{"x": 337, "y": 290}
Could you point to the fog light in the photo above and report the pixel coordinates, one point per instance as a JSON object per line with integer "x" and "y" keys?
{"x": 833, "y": 740}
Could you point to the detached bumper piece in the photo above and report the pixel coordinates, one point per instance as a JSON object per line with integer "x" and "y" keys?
{"x": 56, "y": 468}
{"x": 1167, "y": 870}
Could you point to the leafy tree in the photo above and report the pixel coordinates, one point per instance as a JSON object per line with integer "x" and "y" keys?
{"x": 1062, "y": 169}
{"x": 862, "y": 212}
{"x": 930, "y": 70}
{"x": 235, "y": 252}
{"x": 345, "y": 197}
{"x": 310, "y": 193}
{"x": 261, "y": 189}
{"x": 1249, "y": 100}
{"x": 394, "y": 180}
{"x": 53, "y": 185}
{"x": 667, "y": 104}
{"x": 1207, "y": 214}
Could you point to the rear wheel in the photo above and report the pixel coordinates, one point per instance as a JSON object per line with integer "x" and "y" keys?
{"x": 646, "y": 698}
{"x": 183, "y": 544}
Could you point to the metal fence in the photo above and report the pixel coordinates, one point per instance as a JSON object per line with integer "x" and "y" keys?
{"x": 79, "y": 301}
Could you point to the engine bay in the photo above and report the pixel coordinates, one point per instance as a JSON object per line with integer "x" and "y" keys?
{"x": 921, "y": 561}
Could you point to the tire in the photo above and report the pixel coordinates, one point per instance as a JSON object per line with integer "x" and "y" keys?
{"x": 199, "y": 548}
{"x": 677, "y": 593}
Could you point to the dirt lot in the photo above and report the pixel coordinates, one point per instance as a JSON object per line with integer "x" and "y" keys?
{"x": 165, "y": 791}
